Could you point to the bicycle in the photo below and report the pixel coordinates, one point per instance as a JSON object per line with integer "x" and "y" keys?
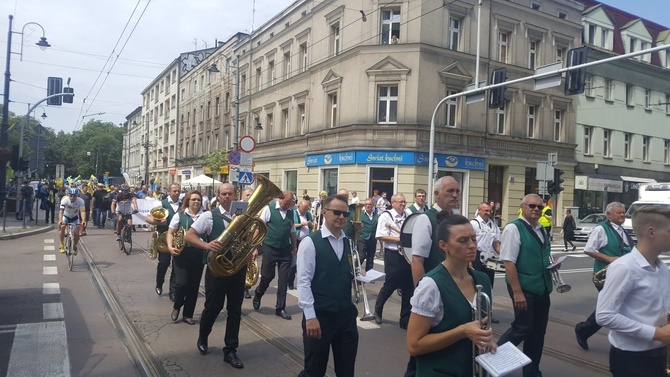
{"x": 69, "y": 245}
{"x": 126, "y": 234}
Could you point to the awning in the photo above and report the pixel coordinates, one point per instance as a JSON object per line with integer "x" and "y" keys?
{"x": 637, "y": 179}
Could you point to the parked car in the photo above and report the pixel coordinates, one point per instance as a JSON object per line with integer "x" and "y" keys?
{"x": 585, "y": 226}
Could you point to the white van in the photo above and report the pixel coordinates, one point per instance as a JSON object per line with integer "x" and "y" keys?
{"x": 650, "y": 194}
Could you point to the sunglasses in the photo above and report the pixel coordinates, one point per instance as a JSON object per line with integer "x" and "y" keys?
{"x": 338, "y": 213}
{"x": 533, "y": 206}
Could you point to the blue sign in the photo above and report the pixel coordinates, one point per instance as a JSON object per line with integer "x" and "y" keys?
{"x": 452, "y": 161}
{"x": 185, "y": 172}
{"x": 385, "y": 157}
{"x": 234, "y": 158}
{"x": 245, "y": 178}
{"x": 339, "y": 158}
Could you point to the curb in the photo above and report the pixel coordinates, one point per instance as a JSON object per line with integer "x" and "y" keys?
{"x": 10, "y": 235}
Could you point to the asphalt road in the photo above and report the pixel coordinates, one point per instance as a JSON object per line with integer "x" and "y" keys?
{"x": 107, "y": 316}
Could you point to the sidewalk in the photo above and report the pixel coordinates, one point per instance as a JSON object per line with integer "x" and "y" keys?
{"x": 13, "y": 228}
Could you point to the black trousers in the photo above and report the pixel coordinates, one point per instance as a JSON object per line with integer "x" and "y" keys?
{"x": 529, "y": 327}
{"x": 188, "y": 269}
{"x": 216, "y": 291}
{"x": 281, "y": 259}
{"x": 163, "y": 264}
{"x": 479, "y": 266}
{"x": 339, "y": 331}
{"x": 567, "y": 239}
{"x": 366, "y": 250}
{"x": 51, "y": 207}
{"x": 398, "y": 275}
{"x": 589, "y": 327}
{"x": 650, "y": 363}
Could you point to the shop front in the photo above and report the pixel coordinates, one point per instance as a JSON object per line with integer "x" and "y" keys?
{"x": 593, "y": 193}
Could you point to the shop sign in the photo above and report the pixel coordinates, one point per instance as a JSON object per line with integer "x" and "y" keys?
{"x": 581, "y": 182}
{"x": 452, "y": 161}
{"x": 598, "y": 184}
{"x": 385, "y": 157}
{"x": 340, "y": 158}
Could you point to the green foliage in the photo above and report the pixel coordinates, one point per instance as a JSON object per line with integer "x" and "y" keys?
{"x": 215, "y": 159}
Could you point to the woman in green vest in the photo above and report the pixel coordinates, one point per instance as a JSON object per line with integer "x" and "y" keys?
{"x": 441, "y": 329}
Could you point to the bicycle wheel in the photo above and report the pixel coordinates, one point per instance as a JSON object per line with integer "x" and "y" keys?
{"x": 127, "y": 239}
{"x": 69, "y": 250}
{"x": 120, "y": 236}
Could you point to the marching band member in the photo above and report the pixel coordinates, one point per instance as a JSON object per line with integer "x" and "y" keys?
{"x": 302, "y": 218}
{"x": 441, "y": 328}
{"x": 419, "y": 205}
{"x": 367, "y": 242}
{"x": 187, "y": 264}
{"x": 398, "y": 271}
{"x": 488, "y": 241}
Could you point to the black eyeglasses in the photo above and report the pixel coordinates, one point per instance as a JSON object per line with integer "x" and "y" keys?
{"x": 533, "y": 206}
{"x": 338, "y": 213}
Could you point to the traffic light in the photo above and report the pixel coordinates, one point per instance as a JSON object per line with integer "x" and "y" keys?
{"x": 54, "y": 86}
{"x": 497, "y": 95}
{"x": 557, "y": 181}
{"x": 24, "y": 164}
{"x": 550, "y": 187}
{"x": 575, "y": 80}
{"x": 70, "y": 98}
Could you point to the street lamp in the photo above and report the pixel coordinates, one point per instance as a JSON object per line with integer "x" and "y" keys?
{"x": 5, "y": 153}
{"x": 259, "y": 126}
{"x": 96, "y": 162}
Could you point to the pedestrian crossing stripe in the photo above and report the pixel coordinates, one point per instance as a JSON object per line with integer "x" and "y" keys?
{"x": 245, "y": 178}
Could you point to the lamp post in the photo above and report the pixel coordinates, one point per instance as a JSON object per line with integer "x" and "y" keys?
{"x": 96, "y": 161}
{"x": 38, "y": 152}
{"x": 4, "y": 127}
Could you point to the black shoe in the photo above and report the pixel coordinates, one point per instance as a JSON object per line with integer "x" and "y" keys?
{"x": 171, "y": 295}
{"x": 202, "y": 345}
{"x": 291, "y": 286}
{"x": 256, "y": 302}
{"x": 581, "y": 340}
{"x": 247, "y": 294}
{"x": 574, "y": 248}
{"x": 175, "y": 315}
{"x": 282, "y": 313}
{"x": 190, "y": 321}
{"x": 378, "y": 318}
{"x": 159, "y": 291}
{"x": 232, "y": 359}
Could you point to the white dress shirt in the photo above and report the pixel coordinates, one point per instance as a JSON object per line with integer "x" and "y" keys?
{"x": 635, "y": 300}
{"x": 427, "y": 301}
{"x": 204, "y": 224}
{"x": 303, "y": 231}
{"x": 174, "y": 223}
{"x": 422, "y": 235}
{"x": 487, "y": 232}
{"x": 306, "y": 265}
{"x": 598, "y": 238}
{"x": 265, "y": 215}
{"x": 389, "y": 224}
{"x": 510, "y": 241}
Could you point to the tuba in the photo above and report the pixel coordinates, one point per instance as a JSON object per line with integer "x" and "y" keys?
{"x": 252, "y": 274}
{"x": 244, "y": 233}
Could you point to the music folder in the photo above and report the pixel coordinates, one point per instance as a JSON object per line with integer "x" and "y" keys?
{"x": 370, "y": 276}
{"x": 506, "y": 360}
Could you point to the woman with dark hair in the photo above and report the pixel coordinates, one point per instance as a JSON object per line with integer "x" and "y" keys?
{"x": 441, "y": 328}
{"x": 188, "y": 264}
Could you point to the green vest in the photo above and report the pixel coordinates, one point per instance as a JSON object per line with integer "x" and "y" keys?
{"x": 454, "y": 360}
{"x": 369, "y": 226}
{"x": 296, "y": 220}
{"x": 615, "y": 246}
{"x": 532, "y": 262}
{"x": 349, "y": 227}
{"x": 218, "y": 227}
{"x": 436, "y": 255}
{"x": 185, "y": 221}
{"x": 413, "y": 209}
{"x": 331, "y": 284}
{"x": 279, "y": 229}
{"x": 165, "y": 204}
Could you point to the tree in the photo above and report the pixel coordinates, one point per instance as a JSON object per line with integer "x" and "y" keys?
{"x": 215, "y": 159}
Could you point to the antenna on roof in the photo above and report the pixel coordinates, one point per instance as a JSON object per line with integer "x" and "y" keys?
{"x": 253, "y": 14}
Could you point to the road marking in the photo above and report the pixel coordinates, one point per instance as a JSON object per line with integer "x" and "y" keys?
{"x": 49, "y": 247}
{"x": 53, "y": 310}
{"x": 39, "y": 349}
{"x": 49, "y": 240}
{"x": 50, "y": 288}
{"x": 49, "y": 257}
{"x": 52, "y": 270}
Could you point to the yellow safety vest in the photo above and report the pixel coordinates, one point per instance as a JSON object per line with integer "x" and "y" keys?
{"x": 544, "y": 221}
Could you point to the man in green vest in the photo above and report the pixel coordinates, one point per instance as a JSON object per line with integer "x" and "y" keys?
{"x": 217, "y": 289}
{"x": 367, "y": 243}
{"x": 419, "y": 205}
{"x": 172, "y": 204}
{"x": 325, "y": 274}
{"x": 279, "y": 246}
{"x": 608, "y": 241}
{"x": 525, "y": 249}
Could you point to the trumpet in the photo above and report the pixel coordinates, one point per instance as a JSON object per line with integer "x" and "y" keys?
{"x": 359, "y": 287}
{"x": 478, "y": 315}
{"x": 556, "y": 278}
{"x": 317, "y": 215}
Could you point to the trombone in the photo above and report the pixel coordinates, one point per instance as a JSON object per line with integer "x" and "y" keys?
{"x": 359, "y": 287}
{"x": 478, "y": 315}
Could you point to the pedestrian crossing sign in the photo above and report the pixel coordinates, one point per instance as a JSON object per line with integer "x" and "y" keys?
{"x": 245, "y": 178}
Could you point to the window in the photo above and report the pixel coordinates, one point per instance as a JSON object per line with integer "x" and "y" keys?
{"x": 216, "y": 106}
{"x": 451, "y": 109}
{"x": 227, "y": 102}
{"x": 609, "y": 86}
{"x": 666, "y": 152}
{"x": 588, "y": 133}
{"x": 387, "y": 111}
{"x": 329, "y": 179}
{"x": 257, "y": 84}
{"x": 562, "y": 15}
{"x": 535, "y": 6}
{"x": 500, "y": 119}
{"x": 332, "y": 106}
{"x": 632, "y": 42}
{"x": 560, "y": 54}
{"x": 604, "y": 37}
{"x": 303, "y": 57}
{"x": 454, "y": 33}
{"x": 646, "y": 144}
{"x": 591, "y": 35}
{"x": 530, "y": 117}
{"x": 503, "y": 46}
{"x": 243, "y": 84}
{"x": 647, "y": 99}
{"x": 285, "y": 121}
{"x": 532, "y": 54}
{"x": 291, "y": 180}
{"x": 271, "y": 73}
{"x": 335, "y": 38}
{"x": 627, "y": 141}
{"x": 390, "y": 25}
{"x": 270, "y": 126}
{"x": 629, "y": 94}
{"x": 589, "y": 89}
{"x": 287, "y": 64}
{"x": 607, "y": 143}
{"x": 558, "y": 125}
{"x": 301, "y": 118}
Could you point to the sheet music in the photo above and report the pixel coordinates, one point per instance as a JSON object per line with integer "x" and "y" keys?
{"x": 370, "y": 276}
{"x": 238, "y": 207}
{"x": 557, "y": 262}
{"x": 507, "y": 359}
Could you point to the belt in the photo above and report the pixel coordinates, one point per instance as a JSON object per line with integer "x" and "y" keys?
{"x": 658, "y": 352}
{"x": 388, "y": 249}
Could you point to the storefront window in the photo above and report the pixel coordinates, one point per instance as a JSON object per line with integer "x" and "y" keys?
{"x": 382, "y": 180}
{"x": 291, "y": 180}
{"x": 329, "y": 179}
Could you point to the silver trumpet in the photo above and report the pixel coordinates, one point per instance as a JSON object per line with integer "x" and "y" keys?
{"x": 561, "y": 287}
{"x": 478, "y": 314}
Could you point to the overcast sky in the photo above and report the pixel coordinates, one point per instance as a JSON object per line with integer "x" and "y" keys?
{"x": 84, "y": 33}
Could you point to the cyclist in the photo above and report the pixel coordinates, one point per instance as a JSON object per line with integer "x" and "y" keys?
{"x": 123, "y": 204}
{"x": 72, "y": 211}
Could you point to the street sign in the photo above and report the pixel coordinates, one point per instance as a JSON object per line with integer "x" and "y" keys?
{"x": 247, "y": 144}
{"x": 552, "y": 158}
{"x": 234, "y": 158}
{"x": 246, "y": 159}
{"x": 473, "y": 98}
{"x": 544, "y": 171}
{"x": 245, "y": 178}
{"x": 549, "y": 81}
{"x": 223, "y": 169}
{"x": 246, "y": 169}
{"x": 185, "y": 172}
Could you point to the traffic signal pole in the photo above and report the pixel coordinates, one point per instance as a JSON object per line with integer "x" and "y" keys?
{"x": 537, "y": 76}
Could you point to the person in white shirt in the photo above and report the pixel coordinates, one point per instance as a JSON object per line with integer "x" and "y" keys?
{"x": 354, "y": 198}
{"x": 635, "y": 301}
{"x": 419, "y": 205}
{"x": 302, "y": 218}
{"x": 488, "y": 242}
{"x": 382, "y": 203}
